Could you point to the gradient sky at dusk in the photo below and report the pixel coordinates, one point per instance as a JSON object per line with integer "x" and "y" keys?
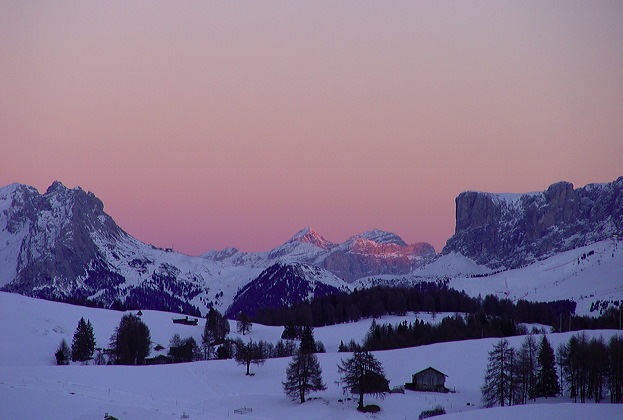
{"x": 204, "y": 124}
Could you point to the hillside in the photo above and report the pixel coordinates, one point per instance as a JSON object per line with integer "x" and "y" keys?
{"x": 591, "y": 276}
{"x": 32, "y": 328}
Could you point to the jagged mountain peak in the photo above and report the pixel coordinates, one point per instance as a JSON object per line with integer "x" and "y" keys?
{"x": 380, "y": 237}
{"x": 310, "y": 236}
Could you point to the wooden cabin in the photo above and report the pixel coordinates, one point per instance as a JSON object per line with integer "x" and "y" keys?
{"x": 185, "y": 321}
{"x": 429, "y": 379}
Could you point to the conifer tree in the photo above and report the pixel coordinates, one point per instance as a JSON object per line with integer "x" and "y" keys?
{"x": 547, "y": 378}
{"x": 83, "y": 343}
{"x": 362, "y": 374}
{"x": 527, "y": 369}
{"x": 308, "y": 345}
{"x": 63, "y": 353}
{"x": 496, "y": 389}
{"x": 244, "y": 323}
{"x": 216, "y": 328}
{"x": 131, "y": 341}
{"x": 303, "y": 376}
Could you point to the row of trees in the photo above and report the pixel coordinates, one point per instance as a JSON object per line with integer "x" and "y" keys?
{"x": 514, "y": 376}
{"x": 130, "y": 344}
{"x": 451, "y": 328}
{"x": 589, "y": 368}
{"x": 430, "y": 297}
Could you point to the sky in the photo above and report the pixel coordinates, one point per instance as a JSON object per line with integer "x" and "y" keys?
{"x": 207, "y": 124}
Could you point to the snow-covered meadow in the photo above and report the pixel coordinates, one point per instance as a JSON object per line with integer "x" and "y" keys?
{"x": 32, "y": 387}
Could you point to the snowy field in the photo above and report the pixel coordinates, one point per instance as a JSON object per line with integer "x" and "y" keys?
{"x": 32, "y": 387}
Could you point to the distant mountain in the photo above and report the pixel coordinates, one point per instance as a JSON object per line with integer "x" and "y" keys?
{"x": 367, "y": 254}
{"x": 61, "y": 245}
{"x": 283, "y": 285}
{"x": 512, "y": 230}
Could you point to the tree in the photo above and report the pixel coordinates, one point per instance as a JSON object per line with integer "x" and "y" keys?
{"x": 184, "y": 350}
{"x": 131, "y": 341}
{"x": 527, "y": 369}
{"x": 62, "y": 353}
{"x": 308, "y": 345}
{"x": 498, "y": 383}
{"x": 83, "y": 344}
{"x": 362, "y": 374}
{"x": 216, "y": 328}
{"x": 303, "y": 376}
{"x": 244, "y": 323}
{"x": 615, "y": 371}
{"x": 249, "y": 353}
{"x": 225, "y": 350}
{"x": 547, "y": 378}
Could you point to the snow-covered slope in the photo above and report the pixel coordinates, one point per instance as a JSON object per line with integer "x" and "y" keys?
{"x": 591, "y": 275}
{"x": 32, "y": 388}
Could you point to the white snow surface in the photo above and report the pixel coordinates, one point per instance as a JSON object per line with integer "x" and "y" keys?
{"x": 563, "y": 276}
{"x": 32, "y": 387}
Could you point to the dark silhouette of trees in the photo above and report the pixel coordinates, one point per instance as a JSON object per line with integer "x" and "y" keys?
{"x": 63, "y": 353}
{"x": 131, "y": 341}
{"x": 214, "y": 333}
{"x": 216, "y": 327}
{"x": 498, "y": 386}
{"x": 547, "y": 378}
{"x": 249, "y": 353}
{"x": 184, "y": 350}
{"x": 244, "y": 323}
{"x": 83, "y": 343}
{"x": 362, "y": 374}
{"x": 303, "y": 374}
{"x": 527, "y": 369}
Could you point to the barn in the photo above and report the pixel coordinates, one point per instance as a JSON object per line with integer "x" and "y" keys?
{"x": 429, "y": 379}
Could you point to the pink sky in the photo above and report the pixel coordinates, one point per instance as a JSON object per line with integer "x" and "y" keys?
{"x": 205, "y": 124}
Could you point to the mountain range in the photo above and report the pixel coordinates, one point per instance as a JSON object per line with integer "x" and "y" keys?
{"x": 61, "y": 245}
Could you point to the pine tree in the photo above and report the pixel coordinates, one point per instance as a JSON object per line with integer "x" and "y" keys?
{"x": 131, "y": 341}
{"x": 362, "y": 374}
{"x": 216, "y": 328}
{"x": 527, "y": 369}
{"x": 83, "y": 344}
{"x": 63, "y": 353}
{"x": 303, "y": 376}
{"x": 308, "y": 345}
{"x": 547, "y": 378}
{"x": 497, "y": 389}
{"x": 615, "y": 369}
{"x": 244, "y": 323}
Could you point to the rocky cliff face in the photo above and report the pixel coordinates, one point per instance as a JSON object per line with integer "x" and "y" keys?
{"x": 511, "y": 230}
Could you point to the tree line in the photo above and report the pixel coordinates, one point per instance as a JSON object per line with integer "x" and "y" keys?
{"x": 589, "y": 369}
{"x": 424, "y": 297}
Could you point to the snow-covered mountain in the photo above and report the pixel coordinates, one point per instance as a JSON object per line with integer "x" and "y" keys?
{"x": 61, "y": 245}
{"x": 370, "y": 253}
{"x": 513, "y": 230}
{"x": 283, "y": 285}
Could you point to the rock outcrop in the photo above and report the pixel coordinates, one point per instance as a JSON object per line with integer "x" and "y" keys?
{"x": 511, "y": 230}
